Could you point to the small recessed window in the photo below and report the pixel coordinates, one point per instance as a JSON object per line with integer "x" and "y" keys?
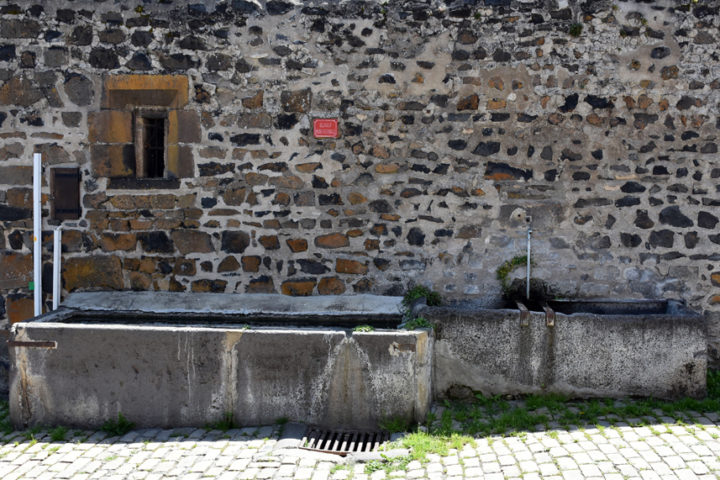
{"x": 150, "y": 143}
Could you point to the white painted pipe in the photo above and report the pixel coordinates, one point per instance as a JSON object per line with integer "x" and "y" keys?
{"x": 57, "y": 259}
{"x": 37, "y": 232}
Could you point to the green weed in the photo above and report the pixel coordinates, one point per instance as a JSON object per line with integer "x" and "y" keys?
{"x": 416, "y": 323}
{"x": 226, "y": 423}
{"x": 119, "y": 427}
{"x": 364, "y": 328}
{"x": 58, "y": 434}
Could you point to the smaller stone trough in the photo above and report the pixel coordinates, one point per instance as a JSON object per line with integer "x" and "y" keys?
{"x": 592, "y": 348}
{"x": 164, "y": 360}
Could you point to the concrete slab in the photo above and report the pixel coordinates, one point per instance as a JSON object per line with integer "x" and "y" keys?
{"x": 235, "y": 304}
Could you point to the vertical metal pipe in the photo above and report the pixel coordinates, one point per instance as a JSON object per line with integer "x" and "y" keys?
{"x": 527, "y": 280}
{"x": 57, "y": 259}
{"x": 37, "y": 232}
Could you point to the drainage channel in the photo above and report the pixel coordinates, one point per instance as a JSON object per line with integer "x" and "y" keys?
{"x": 343, "y": 442}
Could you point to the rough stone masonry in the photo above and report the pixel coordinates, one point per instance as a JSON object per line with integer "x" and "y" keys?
{"x": 457, "y": 119}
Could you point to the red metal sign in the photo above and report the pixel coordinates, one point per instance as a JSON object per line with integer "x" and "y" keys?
{"x": 325, "y": 128}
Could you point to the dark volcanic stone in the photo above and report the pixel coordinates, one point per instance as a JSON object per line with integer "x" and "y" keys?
{"x": 178, "y": 62}
{"x": 244, "y": 139}
{"x": 691, "y": 239}
{"x": 7, "y": 52}
{"x": 275, "y": 7}
{"x": 81, "y": 36}
{"x": 235, "y": 242}
{"x": 598, "y": 102}
{"x": 141, "y": 38}
{"x": 416, "y": 237}
{"x": 79, "y": 89}
{"x": 104, "y": 58}
{"x": 286, "y": 122}
{"x": 192, "y": 42}
{"x": 661, "y": 238}
{"x": 501, "y": 55}
{"x": 632, "y": 187}
{"x": 380, "y": 206}
{"x": 630, "y": 240}
{"x": 486, "y": 149}
{"x": 139, "y": 61}
{"x": 673, "y": 217}
{"x": 571, "y": 102}
{"x": 8, "y": 213}
{"x": 457, "y": 144}
{"x": 707, "y": 220}
{"x": 312, "y": 267}
{"x": 660, "y": 52}
{"x": 156, "y": 242}
{"x": 642, "y": 220}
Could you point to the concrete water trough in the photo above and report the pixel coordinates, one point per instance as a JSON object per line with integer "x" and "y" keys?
{"x": 586, "y": 348}
{"x": 164, "y": 360}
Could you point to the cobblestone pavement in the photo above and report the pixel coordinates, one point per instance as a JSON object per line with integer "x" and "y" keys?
{"x": 663, "y": 451}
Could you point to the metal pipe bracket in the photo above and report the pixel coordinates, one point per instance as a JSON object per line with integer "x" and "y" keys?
{"x": 524, "y": 315}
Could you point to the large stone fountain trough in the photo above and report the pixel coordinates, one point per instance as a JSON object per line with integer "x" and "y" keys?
{"x": 164, "y": 359}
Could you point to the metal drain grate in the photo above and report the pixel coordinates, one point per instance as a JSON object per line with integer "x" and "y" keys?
{"x": 342, "y": 442}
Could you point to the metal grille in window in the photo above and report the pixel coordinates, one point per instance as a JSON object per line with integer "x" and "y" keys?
{"x": 154, "y": 147}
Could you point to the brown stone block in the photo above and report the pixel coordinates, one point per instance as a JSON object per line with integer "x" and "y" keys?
{"x": 185, "y": 267}
{"x": 256, "y": 101}
{"x": 355, "y": 232}
{"x": 113, "y": 160}
{"x": 16, "y": 175}
{"x": 146, "y": 265}
{"x": 192, "y": 241}
{"x": 715, "y": 300}
{"x": 290, "y": 181}
{"x": 16, "y": 270}
{"x": 180, "y": 161}
{"x": 140, "y": 281}
{"x": 205, "y": 285}
{"x": 296, "y": 101}
{"x": 297, "y": 244}
{"x": 496, "y": 104}
{"x": 20, "y": 91}
{"x": 229, "y": 264}
{"x": 269, "y": 242}
{"x": 110, "y": 126}
{"x": 331, "y": 286}
{"x": 356, "y": 198}
{"x": 183, "y": 127}
{"x": 161, "y": 90}
{"x": 372, "y": 244}
{"x": 468, "y": 103}
{"x": 298, "y": 288}
{"x": 234, "y": 196}
{"x": 254, "y": 120}
{"x": 281, "y": 198}
{"x": 343, "y": 265}
{"x": 715, "y": 279}
{"x": 308, "y": 167}
{"x": 469, "y": 231}
{"x": 96, "y": 272}
{"x": 263, "y": 284}
{"x": 496, "y": 83}
{"x": 387, "y": 168}
{"x": 251, "y": 263}
{"x": 19, "y": 197}
{"x": 333, "y": 240}
{"x": 20, "y": 308}
{"x": 111, "y": 242}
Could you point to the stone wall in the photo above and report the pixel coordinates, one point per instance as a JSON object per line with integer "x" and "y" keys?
{"x": 457, "y": 120}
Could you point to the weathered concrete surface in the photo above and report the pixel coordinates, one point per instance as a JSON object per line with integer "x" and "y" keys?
{"x": 165, "y": 376}
{"x": 656, "y": 355}
{"x": 235, "y": 304}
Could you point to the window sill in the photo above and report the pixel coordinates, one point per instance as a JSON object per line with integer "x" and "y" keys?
{"x": 143, "y": 183}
